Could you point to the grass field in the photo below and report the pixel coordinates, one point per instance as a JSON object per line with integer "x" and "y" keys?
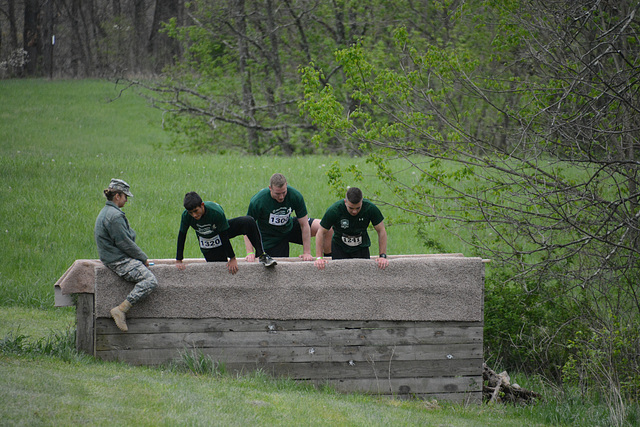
{"x": 60, "y": 144}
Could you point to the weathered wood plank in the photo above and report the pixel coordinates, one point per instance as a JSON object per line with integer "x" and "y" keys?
{"x": 85, "y": 328}
{"x": 408, "y": 386}
{"x": 470, "y": 398}
{"x": 377, "y": 354}
{"x": 347, "y": 370}
{"x": 324, "y": 370}
{"x": 396, "y": 387}
{"x": 310, "y": 338}
{"x": 154, "y": 325}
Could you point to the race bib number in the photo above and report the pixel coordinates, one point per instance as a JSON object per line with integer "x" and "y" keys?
{"x": 352, "y": 240}
{"x": 210, "y": 243}
{"x": 278, "y": 219}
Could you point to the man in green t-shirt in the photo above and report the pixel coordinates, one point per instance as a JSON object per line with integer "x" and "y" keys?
{"x": 349, "y": 219}
{"x": 272, "y": 209}
{"x": 214, "y": 231}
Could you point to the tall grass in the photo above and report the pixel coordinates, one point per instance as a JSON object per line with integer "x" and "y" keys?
{"x": 61, "y": 143}
{"x": 195, "y": 361}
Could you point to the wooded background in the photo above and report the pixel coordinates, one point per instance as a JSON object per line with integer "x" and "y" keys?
{"x": 515, "y": 124}
{"x": 74, "y": 38}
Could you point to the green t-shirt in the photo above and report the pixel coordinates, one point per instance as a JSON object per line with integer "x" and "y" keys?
{"x": 208, "y": 227}
{"x": 350, "y": 232}
{"x": 274, "y": 219}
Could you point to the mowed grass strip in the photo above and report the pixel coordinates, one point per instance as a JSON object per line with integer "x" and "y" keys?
{"x": 46, "y": 391}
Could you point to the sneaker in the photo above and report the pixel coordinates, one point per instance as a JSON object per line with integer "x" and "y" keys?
{"x": 267, "y": 260}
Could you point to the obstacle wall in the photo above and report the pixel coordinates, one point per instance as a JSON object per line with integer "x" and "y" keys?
{"x": 411, "y": 330}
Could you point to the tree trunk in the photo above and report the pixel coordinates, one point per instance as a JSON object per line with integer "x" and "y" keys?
{"x": 115, "y": 8}
{"x": 31, "y": 36}
{"x": 13, "y": 27}
{"x": 98, "y": 37}
{"x": 47, "y": 38}
{"x": 161, "y": 47}
{"x": 248, "y": 101}
{"x": 304, "y": 43}
{"x": 79, "y": 59}
{"x": 139, "y": 28}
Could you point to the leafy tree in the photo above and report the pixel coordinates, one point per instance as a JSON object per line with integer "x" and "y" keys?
{"x": 238, "y": 87}
{"x": 233, "y": 88}
{"x": 526, "y": 149}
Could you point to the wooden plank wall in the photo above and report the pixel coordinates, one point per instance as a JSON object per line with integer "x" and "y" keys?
{"x": 85, "y": 323}
{"x": 440, "y": 360}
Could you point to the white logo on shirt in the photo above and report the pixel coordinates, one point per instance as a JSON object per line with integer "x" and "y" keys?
{"x": 206, "y": 228}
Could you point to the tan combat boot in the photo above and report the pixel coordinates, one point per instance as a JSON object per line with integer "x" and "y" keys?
{"x": 118, "y": 314}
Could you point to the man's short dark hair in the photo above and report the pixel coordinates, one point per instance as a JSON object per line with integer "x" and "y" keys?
{"x": 354, "y": 195}
{"x": 192, "y": 200}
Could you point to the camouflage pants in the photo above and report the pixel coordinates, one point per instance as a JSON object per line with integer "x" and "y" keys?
{"x": 133, "y": 270}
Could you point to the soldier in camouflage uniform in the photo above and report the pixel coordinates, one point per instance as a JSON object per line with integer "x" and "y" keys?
{"x": 118, "y": 250}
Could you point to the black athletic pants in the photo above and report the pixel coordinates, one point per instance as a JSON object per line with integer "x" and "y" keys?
{"x": 338, "y": 253}
{"x": 242, "y": 225}
{"x": 294, "y": 236}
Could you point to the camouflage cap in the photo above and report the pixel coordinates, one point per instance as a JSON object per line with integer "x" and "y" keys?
{"x": 120, "y": 185}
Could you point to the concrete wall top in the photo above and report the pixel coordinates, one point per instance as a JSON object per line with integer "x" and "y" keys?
{"x": 428, "y": 288}
{"x": 411, "y": 288}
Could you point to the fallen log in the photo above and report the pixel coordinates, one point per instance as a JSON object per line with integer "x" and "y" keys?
{"x": 498, "y": 388}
